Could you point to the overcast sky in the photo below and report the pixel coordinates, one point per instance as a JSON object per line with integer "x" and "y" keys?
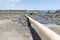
{"x": 29, "y": 4}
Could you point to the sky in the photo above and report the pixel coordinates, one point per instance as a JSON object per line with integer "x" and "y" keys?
{"x": 29, "y": 4}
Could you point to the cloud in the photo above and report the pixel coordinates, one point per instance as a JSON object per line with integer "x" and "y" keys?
{"x": 14, "y": 0}
{"x": 9, "y": 4}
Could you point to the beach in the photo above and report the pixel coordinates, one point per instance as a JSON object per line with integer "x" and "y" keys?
{"x": 13, "y": 26}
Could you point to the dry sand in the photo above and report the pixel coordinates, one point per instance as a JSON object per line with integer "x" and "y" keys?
{"x": 10, "y": 30}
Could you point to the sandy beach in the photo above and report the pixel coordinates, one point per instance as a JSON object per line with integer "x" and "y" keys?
{"x": 14, "y": 26}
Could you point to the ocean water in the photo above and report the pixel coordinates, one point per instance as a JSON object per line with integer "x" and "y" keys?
{"x": 43, "y": 11}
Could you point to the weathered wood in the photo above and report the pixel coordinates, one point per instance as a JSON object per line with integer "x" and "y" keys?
{"x": 49, "y": 34}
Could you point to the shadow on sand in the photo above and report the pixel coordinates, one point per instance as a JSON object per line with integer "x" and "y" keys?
{"x": 35, "y": 36}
